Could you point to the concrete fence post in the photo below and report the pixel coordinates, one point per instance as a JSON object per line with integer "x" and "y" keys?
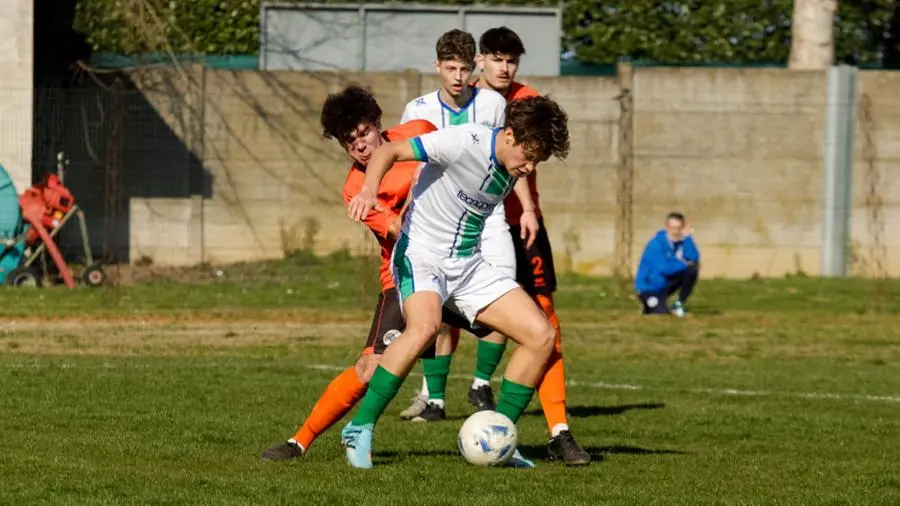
{"x": 837, "y": 168}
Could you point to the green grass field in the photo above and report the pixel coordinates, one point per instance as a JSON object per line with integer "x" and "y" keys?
{"x": 773, "y": 391}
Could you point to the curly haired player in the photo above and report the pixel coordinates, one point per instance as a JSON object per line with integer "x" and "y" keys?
{"x": 437, "y": 260}
{"x": 353, "y": 118}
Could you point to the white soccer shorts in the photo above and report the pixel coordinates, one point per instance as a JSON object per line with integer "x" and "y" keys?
{"x": 497, "y": 246}
{"x": 466, "y": 285}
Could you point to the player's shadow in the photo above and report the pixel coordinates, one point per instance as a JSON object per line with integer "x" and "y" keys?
{"x": 598, "y": 453}
{"x": 392, "y": 455}
{"x": 588, "y": 411}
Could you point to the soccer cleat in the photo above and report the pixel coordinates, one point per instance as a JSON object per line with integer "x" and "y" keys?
{"x": 431, "y": 413}
{"x": 518, "y": 461}
{"x": 563, "y": 447}
{"x": 678, "y": 309}
{"x": 285, "y": 451}
{"x": 418, "y": 406}
{"x": 482, "y": 398}
{"x": 357, "y": 443}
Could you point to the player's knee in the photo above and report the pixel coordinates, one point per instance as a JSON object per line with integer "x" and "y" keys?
{"x": 365, "y": 367}
{"x": 543, "y": 337}
{"x": 423, "y": 331}
{"x": 548, "y": 338}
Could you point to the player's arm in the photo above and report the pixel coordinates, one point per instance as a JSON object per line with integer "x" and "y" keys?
{"x": 436, "y": 148}
{"x": 528, "y": 223}
{"x": 382, "y": 160}
{"x": 382, "y": 221}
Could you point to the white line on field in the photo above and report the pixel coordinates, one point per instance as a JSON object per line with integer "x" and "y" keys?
{"x": 599, "y": 385}
{"x": 708, "y": 391}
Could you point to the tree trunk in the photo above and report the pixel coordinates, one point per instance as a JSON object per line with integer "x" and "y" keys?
{"x": 812, "y": 43}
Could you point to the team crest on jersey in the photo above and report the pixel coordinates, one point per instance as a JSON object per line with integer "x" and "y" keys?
{"x": 390, "y": 336}
{"x": 420, "y": 101}
{"x": 475, "y": 138}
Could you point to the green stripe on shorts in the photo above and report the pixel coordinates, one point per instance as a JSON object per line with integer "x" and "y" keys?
{"x": 403, "y": 268}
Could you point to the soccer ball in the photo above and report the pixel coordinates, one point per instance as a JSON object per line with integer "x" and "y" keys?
{"x": 487, "y": 438}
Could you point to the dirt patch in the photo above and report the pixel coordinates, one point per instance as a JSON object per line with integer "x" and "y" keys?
{"x": 125, "y": 339}
{"x": 134, "y": 274}
{"x": 868, "y": 339}
{"x": 298, "y": 316}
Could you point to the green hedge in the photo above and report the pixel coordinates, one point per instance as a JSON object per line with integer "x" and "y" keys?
{"x": 740, "y": 31}
{"x": 746, "y": 31}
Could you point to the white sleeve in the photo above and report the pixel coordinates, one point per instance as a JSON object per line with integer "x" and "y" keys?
{"x": 441, "y": 147}
{"x": 407, "y": 113}
{"x": 500, "y": 116}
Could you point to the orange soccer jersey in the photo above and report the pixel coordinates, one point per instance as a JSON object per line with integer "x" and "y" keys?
{"x": 513, "y": 206}
{"x": 391, "y": 193}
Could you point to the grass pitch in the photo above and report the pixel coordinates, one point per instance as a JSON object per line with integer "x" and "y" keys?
{"x": 775, "y": 391}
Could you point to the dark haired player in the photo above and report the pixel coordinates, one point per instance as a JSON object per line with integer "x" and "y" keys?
{"x": 437, "y": 260}
{"x": 500, "y": 52}
{"x": 457, "y": 102}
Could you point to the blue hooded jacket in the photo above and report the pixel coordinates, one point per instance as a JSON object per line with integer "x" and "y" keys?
{"x": 661, "y": 261}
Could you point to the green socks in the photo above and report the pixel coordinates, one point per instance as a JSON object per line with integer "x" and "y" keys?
{"x": 382, "y": 389}
{"x": 489, "y": 357}
{"x": 514, "y": 398}
{"x": 436, "y": 371}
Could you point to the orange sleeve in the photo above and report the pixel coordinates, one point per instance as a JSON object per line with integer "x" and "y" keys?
{"x": 379, "y": 222}
{"x": 410, "y": 129}
{"x": 523, "y": 91}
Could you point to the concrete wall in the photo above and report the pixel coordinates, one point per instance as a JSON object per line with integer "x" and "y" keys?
{"x": 738, "y": 151}
{"x": 275, "y": 183}
{"x": 16, "y": 84}
{"x": 874, "y": 244}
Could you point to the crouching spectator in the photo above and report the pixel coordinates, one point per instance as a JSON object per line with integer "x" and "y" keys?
{"x": 670, "y": 263}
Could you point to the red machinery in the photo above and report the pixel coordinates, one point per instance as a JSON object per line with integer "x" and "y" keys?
{"x": 50, "y": 201}
{"x": 46, "y": 207}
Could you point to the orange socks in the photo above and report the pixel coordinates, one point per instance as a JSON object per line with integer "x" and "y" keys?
{"x": 552, "y": 388}
{"x": 336, "y": 401}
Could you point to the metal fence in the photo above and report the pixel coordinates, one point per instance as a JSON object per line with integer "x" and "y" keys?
{"x": 746, "y": 161}
{"x": 395, "y": 37}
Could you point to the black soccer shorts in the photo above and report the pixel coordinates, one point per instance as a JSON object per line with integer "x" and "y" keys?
{"x": 534, "y": 266}
{"x": 388, "y": 323}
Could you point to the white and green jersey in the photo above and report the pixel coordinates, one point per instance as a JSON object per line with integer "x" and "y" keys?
{"x": 459, "y": 187}
{"x": 485, "y": 107}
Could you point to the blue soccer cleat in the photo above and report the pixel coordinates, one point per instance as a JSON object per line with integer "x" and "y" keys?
{"x": 518, "y": 461}
{"x": 357, "y": 443}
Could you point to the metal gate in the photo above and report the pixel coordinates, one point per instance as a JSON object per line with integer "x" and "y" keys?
{"x": 378, "y": 37}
